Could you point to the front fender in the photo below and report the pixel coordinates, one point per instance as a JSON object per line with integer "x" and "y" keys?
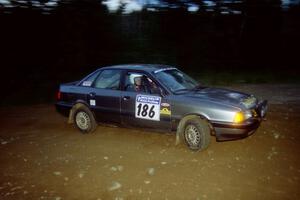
{"x": 180, "y": 127}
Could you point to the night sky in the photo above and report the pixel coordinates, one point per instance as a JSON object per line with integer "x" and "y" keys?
{"x": 45, "y": 43}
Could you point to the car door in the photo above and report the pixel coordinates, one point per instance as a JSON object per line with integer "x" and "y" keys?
{"x": 143, "y": 108}
{"x": 104, "y": 98}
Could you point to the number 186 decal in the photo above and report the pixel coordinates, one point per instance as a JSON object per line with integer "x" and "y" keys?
{"x": 147, "y": 107}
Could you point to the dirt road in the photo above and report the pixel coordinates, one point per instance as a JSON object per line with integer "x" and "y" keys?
{"x": 42, "y": 157}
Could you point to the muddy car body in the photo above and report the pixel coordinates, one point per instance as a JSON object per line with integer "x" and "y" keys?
{"x": 160, "y": 97}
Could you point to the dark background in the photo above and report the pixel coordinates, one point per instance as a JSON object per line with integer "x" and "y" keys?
{"x": 249, "y": 41}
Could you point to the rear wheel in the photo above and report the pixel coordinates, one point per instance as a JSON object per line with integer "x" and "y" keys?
{"x": 84, "y": 120}
{"x": 197, "y": 134}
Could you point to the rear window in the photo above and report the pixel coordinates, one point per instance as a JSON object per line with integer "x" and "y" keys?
{"x": 89, "y": 80}
{"x": 108, "y": 79}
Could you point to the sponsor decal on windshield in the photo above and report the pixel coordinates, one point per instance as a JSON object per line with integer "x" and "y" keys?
{"x": 87, "y": 83}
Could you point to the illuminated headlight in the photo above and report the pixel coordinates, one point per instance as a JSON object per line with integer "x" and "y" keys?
{"x": 239, "y": 117}
{"x": 248, "y": 114}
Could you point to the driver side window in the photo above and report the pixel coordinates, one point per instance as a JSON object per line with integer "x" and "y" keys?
{"x": 108, "y": 79}
{"x": 138, "y": 82}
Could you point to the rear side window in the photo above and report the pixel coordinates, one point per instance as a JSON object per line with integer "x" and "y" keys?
{"x": 108, "y": 79}
{"x": 89, "y": 80}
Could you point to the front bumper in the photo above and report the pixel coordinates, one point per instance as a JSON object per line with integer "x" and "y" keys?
{"x": 230, "y": 131}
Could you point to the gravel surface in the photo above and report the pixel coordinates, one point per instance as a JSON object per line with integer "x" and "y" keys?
{"x": 43, "y": 157}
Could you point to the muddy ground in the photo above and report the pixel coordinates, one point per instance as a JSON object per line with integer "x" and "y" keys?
{"x": 43, "y": 157}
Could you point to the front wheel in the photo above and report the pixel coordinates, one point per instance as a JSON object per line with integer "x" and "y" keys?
{"x": 84, "y": 120}
{"x": 197, "y": 134}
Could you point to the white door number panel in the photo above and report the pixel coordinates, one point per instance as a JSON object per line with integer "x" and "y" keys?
{"x": 147, "y": 107}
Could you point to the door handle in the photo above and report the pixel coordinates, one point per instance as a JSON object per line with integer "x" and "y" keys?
{"x": 92, "y": 94}
{"x": 125, "y": 98}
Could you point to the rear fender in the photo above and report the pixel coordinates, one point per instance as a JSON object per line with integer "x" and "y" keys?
{"x": 77, "y": 105}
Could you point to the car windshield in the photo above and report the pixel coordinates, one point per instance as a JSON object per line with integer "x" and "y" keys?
{"x": 176, "y": 80}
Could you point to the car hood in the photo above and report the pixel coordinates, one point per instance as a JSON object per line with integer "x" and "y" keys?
{"x": 224, "y": 96}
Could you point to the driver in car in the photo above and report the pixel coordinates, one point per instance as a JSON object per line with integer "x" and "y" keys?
{"x": 141, "y": 83}
{"x": 138, "y": 84}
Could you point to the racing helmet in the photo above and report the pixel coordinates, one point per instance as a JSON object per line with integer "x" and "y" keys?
{"x": 133, "y": 76}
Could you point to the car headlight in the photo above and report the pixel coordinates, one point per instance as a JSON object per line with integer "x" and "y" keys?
{"x": 239, "y": 117}
{"x": 250, "y": 113}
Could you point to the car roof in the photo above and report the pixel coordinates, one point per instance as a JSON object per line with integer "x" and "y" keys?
{"x": 145, "y": 67}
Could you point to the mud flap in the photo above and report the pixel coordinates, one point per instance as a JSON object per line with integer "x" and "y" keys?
{"x": 72, "y": 112}
{"x": 177, "y": 139}
{"x": 71, "y": 120}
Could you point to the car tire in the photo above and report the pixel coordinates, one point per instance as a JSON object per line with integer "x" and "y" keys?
{"x": 196, "y": 133}
{"x": 84, "y": 120}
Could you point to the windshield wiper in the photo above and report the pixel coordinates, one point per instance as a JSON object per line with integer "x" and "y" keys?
{"x": 181, "y": 90}
{"x": 199, "y": 87}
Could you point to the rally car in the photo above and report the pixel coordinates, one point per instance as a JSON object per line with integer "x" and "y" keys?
{"x": 160, "y": 97}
